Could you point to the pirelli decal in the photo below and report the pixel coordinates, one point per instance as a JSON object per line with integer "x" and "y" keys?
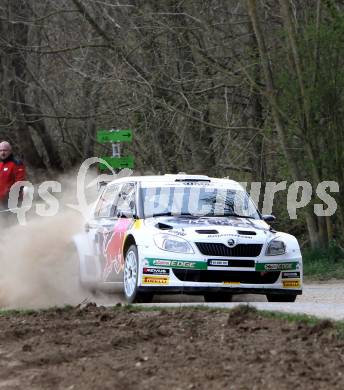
{"x": 161, "y": 280}
{"x": 291, "y": 283}
{"x": 276, "y": 266}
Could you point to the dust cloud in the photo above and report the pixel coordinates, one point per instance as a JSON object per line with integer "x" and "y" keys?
{"x": 39, "y": 265}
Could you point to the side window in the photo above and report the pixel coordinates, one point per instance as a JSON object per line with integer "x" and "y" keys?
{"x": 126, "y": 201}
{"x": 105, "y": 206}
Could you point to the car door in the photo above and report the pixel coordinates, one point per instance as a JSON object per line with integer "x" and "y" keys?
{"x": 99, "y": 230}
{"x": 113, "y": 230}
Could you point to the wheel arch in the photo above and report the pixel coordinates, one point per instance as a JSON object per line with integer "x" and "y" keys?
{"x": 90, "y": 269}
{"x": 129, "y": 240}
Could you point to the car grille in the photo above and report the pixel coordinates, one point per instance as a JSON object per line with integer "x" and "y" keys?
{"x": 203, "y": 276}
{"x": 218, "y": 249}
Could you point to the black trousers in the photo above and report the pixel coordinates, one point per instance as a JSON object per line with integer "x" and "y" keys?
{"x": 3, "y": 204}
{"x": 7, "y": 218}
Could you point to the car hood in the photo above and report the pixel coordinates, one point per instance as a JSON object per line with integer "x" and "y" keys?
{"x": 203, "y": 228}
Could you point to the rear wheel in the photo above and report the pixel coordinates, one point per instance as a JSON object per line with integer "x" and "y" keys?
{"x": 130, "y": 278}
{"x": 218, "y": 297}
{"x": 281, "y": 297}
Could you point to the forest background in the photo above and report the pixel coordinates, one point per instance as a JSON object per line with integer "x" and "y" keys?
{"x": 250, "y": 89}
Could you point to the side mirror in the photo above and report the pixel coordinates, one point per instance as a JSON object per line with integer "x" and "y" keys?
{"x": 269, "y": 218}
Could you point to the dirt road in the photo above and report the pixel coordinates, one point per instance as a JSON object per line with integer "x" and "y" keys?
{"x": 92, "y": 348}
{"x": 97, "y": 347}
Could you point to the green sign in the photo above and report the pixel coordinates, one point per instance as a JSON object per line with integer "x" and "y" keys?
{"x": 275, "y": 267}
{"x": 104, "y": 136}
{"x": 118, "y": 162}
{"x": 186, "y": 264}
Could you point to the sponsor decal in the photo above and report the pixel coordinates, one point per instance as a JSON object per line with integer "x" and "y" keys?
{"x": 178, "y": 232}
{"x": 156, "y": 271}
{"x": 161, "y": 262}
{"x": 218, "y": 263}
{"x": 177, "y": 263}
{"x": 155, "y": 280}
{"x": 137, "y": 224}
{"x": 291, "y": 283}
{"x": 231, "y": 283}
{"x": 276, "y": 266}
{"x": 221, "y": 221}
{"x": 290, "y": 275}
{"x": 227, "y": 235}
{"x": 110, "y": 247}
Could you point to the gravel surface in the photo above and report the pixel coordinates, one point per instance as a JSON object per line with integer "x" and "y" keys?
{"x": 320, "y": 299}
{"x": 321, "y": 292}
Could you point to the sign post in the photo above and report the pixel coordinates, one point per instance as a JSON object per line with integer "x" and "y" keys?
{"x": 104, "y": 136}
{"x": 115, "y": 137}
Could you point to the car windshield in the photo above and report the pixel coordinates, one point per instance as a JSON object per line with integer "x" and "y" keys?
{"x": 196, "y": 200}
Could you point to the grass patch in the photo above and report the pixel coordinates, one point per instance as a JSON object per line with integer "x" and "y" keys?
{"x": 17, "y": 312}
{"x": 34, "y": 312}
{"x": 323, "y": 264}
{"x": 305, "y": 319}
{"x": 292, "y": 317}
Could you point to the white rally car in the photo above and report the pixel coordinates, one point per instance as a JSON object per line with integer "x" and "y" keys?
{"x": 185, "y": 234}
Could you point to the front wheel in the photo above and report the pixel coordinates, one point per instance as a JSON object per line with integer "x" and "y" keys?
{"x": 130, "y": 278}
{"x": 281, "y": 297}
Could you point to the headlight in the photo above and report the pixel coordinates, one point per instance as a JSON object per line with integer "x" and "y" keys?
{"x": 171, "y": 243}
{"x": 275, "y": 248}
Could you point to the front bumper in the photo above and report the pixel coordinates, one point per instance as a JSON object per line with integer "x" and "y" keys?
{"x": 182, "y": 274}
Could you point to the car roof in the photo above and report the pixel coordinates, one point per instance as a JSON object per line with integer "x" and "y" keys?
{"x": 172, "y": 179}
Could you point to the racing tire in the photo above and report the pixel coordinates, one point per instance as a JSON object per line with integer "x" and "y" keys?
{"x": 130, "y": 278}
{"x": 281, "y": 297}
{"x": 217, "y": 297}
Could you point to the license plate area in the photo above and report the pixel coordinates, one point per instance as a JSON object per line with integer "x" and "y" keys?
{"x": 237, "y": 263}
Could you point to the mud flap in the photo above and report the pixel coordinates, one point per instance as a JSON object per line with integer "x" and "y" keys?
{"x": 90, "y": 267}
